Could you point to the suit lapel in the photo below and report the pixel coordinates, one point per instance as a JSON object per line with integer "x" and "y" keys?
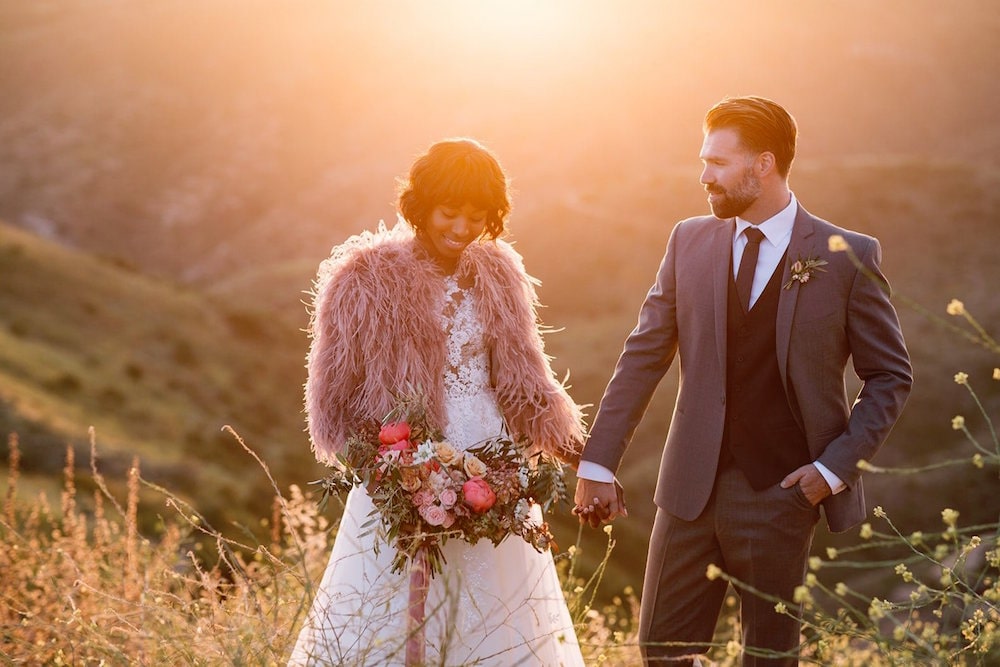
{"x": 722, "y": 261}
{"x": 798, "y": 246}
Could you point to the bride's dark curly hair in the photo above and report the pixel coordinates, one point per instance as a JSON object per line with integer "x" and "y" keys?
{"x": 456, "y": 172}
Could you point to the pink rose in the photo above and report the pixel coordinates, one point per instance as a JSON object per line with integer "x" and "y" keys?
{"x": 448, "y": 498}
{"x": 400, "y": 445}
{"x": 478, "y": 495}
{"x": 434, "y": 515}
{"x": 423, "y": 497}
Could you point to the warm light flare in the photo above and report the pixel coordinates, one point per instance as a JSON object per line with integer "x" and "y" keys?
{"x": 521, "y": 29}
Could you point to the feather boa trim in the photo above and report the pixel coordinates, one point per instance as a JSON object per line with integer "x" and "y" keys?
{"x": 374, "y": 334}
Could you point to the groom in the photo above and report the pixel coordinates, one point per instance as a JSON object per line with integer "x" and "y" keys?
{"x": 764, "y": 316}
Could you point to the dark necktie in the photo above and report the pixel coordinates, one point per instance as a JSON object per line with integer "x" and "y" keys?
{"x": 744, "y": 277}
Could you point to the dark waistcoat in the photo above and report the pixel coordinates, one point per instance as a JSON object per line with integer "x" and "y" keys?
{"x": 761, "y": 436}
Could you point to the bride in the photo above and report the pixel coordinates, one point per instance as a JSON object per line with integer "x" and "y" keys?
{"x": 436, "y": 302}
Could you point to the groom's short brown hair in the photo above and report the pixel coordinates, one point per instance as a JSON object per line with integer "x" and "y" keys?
{"x": 763, "y": 124}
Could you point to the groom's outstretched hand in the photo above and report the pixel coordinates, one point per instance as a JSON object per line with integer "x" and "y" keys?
{"x": 597, "y": 502}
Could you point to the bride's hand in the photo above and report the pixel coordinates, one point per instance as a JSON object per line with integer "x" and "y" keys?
{"x": 597, "y": 502}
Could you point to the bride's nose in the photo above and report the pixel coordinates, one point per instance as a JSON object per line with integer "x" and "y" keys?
{"x": 460, "y": 226}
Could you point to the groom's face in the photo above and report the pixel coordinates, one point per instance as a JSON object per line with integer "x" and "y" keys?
{"x": 728, "y": 174}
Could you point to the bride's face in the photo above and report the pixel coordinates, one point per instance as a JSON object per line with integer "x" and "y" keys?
{"x": 450, "y": 229}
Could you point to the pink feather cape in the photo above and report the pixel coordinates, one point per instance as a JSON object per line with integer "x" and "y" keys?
{"x": 375, "y": 333}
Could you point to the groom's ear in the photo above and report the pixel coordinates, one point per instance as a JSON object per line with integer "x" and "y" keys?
{"x": 765, "y": 164}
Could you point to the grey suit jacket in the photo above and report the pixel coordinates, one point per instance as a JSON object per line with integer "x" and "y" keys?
{"x": 839, "y": 314}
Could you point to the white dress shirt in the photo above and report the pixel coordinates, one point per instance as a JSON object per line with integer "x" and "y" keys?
{"x": 777, "y": 232}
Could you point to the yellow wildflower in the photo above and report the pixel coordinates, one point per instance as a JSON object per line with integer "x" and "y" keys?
{"x": 961, "y": 378}
{"x": 879, "y": 512}
{"x": 836, "y": 243}
{"x": 866, "y": 531}
{"x": 713, "y": 572}
{"x": 958, "y": 422}
{"x": 815, "y": 562}
{"x": 841, "y": 589}
{"x": 780, "y": 608}
{"x": 996, "y": 373}
{"x": 977, "y": 460}
{"x": 955, "y": 307}
{"x": 607, "y": 529}
{"x": 802, "y": 595}
{"x": 831, "y": 553}
{"x": 949, "y": 516}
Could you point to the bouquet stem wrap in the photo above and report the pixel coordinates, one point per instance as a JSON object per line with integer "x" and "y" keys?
{"x": 419, "y": 582}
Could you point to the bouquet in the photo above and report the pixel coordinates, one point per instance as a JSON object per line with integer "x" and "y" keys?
{"x": 426, "y": 491}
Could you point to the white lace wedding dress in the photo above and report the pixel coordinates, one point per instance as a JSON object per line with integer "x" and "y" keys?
{"x": 491, "y": 606}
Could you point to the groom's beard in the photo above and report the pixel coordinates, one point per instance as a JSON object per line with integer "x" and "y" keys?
{"x": 731, "y": 203}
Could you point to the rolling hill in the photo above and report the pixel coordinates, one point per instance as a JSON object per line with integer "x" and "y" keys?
{"x": 156, "y": 368}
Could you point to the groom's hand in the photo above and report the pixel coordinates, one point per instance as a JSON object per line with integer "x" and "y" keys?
{"x": 809, "y": 479}
{"x": 597, "y": 502}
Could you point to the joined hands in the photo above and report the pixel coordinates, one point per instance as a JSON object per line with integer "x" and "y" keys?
{"x": 599, "y": 502}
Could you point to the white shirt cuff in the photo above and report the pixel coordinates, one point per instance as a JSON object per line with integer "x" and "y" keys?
{"x": 595, "y": 472}
{"x": 836, "y": 484}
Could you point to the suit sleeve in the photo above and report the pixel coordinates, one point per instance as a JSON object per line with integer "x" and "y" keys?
{"x": 648, "y": 352}
{"x": 881, "y": 362}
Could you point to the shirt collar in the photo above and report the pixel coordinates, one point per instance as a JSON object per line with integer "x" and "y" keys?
{"x": 778, "y": 227}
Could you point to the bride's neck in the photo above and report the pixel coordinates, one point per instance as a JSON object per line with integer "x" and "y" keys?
{"x": 447, "y": 265}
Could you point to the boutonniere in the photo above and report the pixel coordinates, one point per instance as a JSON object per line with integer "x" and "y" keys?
{"x": 803, "y": 270}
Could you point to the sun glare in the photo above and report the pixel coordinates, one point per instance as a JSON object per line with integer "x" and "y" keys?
{"x": 530, "y": 27}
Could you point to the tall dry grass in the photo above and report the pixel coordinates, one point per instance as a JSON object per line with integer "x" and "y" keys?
{"x": 87, "y": 587}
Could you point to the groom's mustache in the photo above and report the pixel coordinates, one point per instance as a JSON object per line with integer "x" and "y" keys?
{"x": 714, "y": 190}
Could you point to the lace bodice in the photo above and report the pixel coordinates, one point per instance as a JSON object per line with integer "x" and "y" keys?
{"x": 470, "y": 404}
{"x": 468, "y": 369}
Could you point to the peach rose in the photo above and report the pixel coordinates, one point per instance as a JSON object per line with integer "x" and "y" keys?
{"x": 446, "y": 454}
{"x": 478, "y": 495}
{"x": 409, "y": 479}
{"x": 473, "y": 466}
